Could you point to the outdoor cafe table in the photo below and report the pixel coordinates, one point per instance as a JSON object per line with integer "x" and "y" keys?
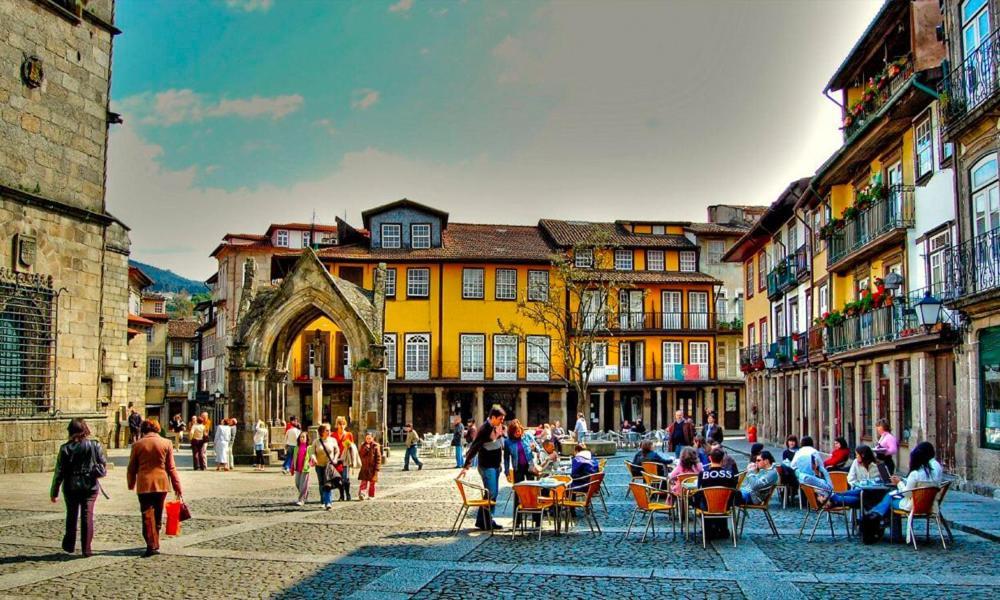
{"x": 552, "y": 485}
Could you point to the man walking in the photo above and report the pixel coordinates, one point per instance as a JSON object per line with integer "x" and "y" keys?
{"x": 458, "y": 432}
{"x": 580, "y": 431}
{"x": 680, "y": 433}
{"x": 134, "y": 421}
{"x": 412, "y": 443}
{"x": 488, "y": 448}
{"x": 292, "y": 432}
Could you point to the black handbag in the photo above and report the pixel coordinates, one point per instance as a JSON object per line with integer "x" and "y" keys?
{"x": 332, "y": 477}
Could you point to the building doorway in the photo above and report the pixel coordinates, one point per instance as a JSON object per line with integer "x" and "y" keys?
{"x": 946, "y": 428}
{"x": 732, "y": 410}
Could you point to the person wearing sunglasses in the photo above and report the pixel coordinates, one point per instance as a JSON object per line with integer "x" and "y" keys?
{"x": 760, "y": 476}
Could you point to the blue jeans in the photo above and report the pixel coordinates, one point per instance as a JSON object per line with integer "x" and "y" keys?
{"x": 289, "y": 452}
{"x": 677, "y": 450}
{"x": 888, "y": 503}
{"x": 459, "y": 461}
{"x": 411, "y": 453}
{"x": 325, "y": 495}
{"x": 491, "y": 481}
{"x": 850, "y": 498}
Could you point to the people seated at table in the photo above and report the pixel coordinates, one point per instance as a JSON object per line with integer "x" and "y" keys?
{"x": 548, "y": 458}
{"x": 761, "y": 475}
{"x": 755, "y": 449}
{"x": 701, "y": 449}
{"x": 639, "y": 427}
{"x": 863, "y": 468}
{"x": 925, "y": 471}
{"x": 728, "y": 461}
{"x": 809, "y": 469}
{"x": 582, "y": 466}
{"x": 688, "y": 463}
{"x": 840, "y": 457}
{"x": 646, "y": 453}
{"x": 887, "y": 446}
{"x": 716, "y": 475}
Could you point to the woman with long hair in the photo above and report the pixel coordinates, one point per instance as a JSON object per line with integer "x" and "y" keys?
{"x": 325, "y": 452}
{"x": 300, "y": 459}
{"x": 79, "y": 466}
{"x": 518, "y": 460}
{"x": 344, "y": 439}
{"x": 840, "y": 457}
{"x": 925, "y": 471}
{"x": 688, "y": 464}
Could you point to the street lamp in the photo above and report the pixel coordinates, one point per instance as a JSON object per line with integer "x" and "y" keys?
{"x": 770, "y": 361}
{"x": 893, "y": 281}
{"x": 928, "y": 311}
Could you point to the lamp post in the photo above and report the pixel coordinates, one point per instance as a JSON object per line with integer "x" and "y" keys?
{"x": 928, "y": 311}
{"x": 770, "y": 361}
{"x": 893, "y": 281}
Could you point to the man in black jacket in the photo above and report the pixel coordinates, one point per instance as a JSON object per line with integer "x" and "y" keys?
{"x": 488, "y": 448}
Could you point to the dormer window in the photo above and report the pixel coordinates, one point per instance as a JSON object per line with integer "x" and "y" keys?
{"x": 281, "y": 238}
{"x": 420, "y": 236}
{"x": 391, "y": 235}
{"x": 583, "y": 258}
{"x": 306, "y": 239}
{"x": 623, "y": 260}
{"x": 158, "y": 307}
{"x": 659, "y": 230}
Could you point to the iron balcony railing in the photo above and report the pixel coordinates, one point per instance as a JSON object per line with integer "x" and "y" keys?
{"x": 802, "y": 258}
{"x": 884, "y": 324}
{"x": 783, "y": 277}
{"x": 880, "y": 98}
{"x": 972, "y": 267}
{"x": 752, "y": 357}
{"x": 895, "y": 211}
{"x": 972, "y": 82}
{"x": 610, "y": 322}
{"x": 729, "y": 321}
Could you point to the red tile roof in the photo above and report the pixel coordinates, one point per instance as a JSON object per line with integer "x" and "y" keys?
{"x": 570, "y": 233}
{"x": 182, "y": 328}
{"x": 652, "y": 277}
{"x": 137, "y": 320}
{"x": 717, "y": 228}
{"x": 300, "y": 227}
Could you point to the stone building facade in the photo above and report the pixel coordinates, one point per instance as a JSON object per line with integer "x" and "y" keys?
{"x": 63, "y": 259}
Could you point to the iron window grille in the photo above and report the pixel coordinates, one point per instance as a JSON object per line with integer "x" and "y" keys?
{"x": 27, "y": 344}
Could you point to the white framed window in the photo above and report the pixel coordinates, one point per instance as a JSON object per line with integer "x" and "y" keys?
{"x": 158, "y": 307}
{"x": 506, "y": 284}
{"x": 698, "y": 355}
{"x": 473, "y": 353}
{"x": 418, "y": 356}
{"x": 824, "y": 299}
{"x": 420, "y": 236}
{"x": 716, "y": 248}
{"x": 177, "y": 350}
{"x": 538, "y": 286}
{"x": 472, "y": 283}
{"x": 306, "y": 239}
{"x": 935, "y": 261}
{"x": 149, "y": 334}
{"x": 392, "y": 235}
{"x": 924, "y": 153}
{"x": 698, "y": 309}
{"x": 654, "y": 260}
{"x": 689, "y": 261}
{"x": 673, "y": 361}
{"x": 624, "y": 259}
{"x": 389, "y": 341}
{"x": 593, "y": 309}
{"x": 155, "y": 368}
{"x": 390, "y": 283}
{"x": 583, "y": 258}
{"x": 418, "y": 283}
{"x": 281, "y": 239}
{"x": 597, "y": 354}
{"x": 985, "y": 195}
{"x": 504, "y": 357}
{"x": 537, "y": 354}
{"x": 672, "y": 309}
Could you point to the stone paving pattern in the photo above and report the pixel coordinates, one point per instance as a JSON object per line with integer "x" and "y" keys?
{"x": 248, "y": 540}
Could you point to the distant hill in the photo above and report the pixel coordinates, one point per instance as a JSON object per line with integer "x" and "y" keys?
{"x": 168, "y": 281}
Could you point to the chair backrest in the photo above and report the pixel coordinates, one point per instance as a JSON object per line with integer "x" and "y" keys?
{"x": 739, "y": 480}
{"x": 601, "y": 463}
{"x": 686, "y": 477}
{"x": 717, "y": 499}
{"x": 563, "y": 478}
{"x": 641, "y": 495}
{"x": 652, "y": 480}
{"x": 595, "y": 485}
{"x": 633, "y": 469}
{"x": 765, "y": 495}
{"x": 462, "y": 484}
{"x": 527, "y": 496}
{"x": 652, "y": 467}
{"x": 810, "y": 494}
{"x": 923, "y": 500}
{"x": 945, "y": 487}
{"x": 839, "y": 481}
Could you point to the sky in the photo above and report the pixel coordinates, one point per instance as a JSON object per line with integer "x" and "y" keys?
{"x": 242, "y": 113}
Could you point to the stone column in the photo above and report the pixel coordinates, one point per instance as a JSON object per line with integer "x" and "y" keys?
{"x": 600, "y": 410}
{"x": 895, "y": 410}
{"x": 480, "y": 398}
{"x": 317, "y": 401}
{"x": 797, "y": 420}
{"x": 616, "y": 409}
{"x": 856, "y": 398}
{"x": 522, "y": 407}
{"x": 659, "y": 407}
{"x": 440, "y": 411}
{"x": 647, "y": 410}
{"x": 408, "y": 410}
{"x": 812, "y": 403}
{"x": 709, "y": 401}
{"x": 923, "y": 376}
{"x": 831, "y": 404}
{"x": 563, "y": 408}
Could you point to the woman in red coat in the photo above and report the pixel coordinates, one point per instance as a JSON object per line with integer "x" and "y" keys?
{"x": 840, "y": 458}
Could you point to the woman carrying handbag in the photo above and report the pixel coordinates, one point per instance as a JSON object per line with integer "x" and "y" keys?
{"x": 326, "y": 454}
{"x": 79, "y": 466}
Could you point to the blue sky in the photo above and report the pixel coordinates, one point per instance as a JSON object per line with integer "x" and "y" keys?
{"x": 239, "y": 113}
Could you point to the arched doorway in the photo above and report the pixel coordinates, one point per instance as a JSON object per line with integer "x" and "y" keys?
{"x": 270, "y": 320}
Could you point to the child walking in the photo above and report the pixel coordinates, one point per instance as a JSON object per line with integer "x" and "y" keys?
{"x": 371, "y": 464}
{"x": 302, "y": 459}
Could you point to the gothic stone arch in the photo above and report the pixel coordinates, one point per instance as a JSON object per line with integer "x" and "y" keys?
{"x": 268, "y": 322}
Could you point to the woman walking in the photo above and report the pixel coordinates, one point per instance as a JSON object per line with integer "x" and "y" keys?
{"x": 151, "y": 473}
{"x": 519, "y": 459}
{"x": 223, "y": 437}
{"x": 326, "y": 453}
{"x": 259, "y": 441}
{"x": 344, "y": 439}
{"x": 301, "y": 458}
{"x": 371, "y": 464}
{"x": 198, "y": 442}
{"x": 79, "y": 465}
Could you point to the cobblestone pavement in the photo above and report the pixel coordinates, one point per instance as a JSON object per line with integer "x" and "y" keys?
{"x": 248, "y": 539}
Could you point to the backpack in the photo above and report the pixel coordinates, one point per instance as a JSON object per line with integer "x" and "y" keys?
{"x": 870, "y": 527}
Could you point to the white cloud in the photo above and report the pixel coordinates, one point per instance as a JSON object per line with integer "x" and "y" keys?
{"x": 250, "y": 5}
{"x": 172, "y": 106}
{"x": 364, "y": 98}
{"x": 211, "y": 169}
{"x": 401, "y": 7}
{"x": 326, "y": 124}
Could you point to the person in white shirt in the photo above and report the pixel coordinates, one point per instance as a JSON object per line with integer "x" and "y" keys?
{"x": 809, "y": 468}
{"x": 259, "y": 442}
{"x": 291, "y": 441}
{"x": 925, "y": 471}
{"x": 580, "y": 431}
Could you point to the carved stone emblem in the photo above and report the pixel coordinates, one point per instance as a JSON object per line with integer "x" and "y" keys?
{"x": 32, "y": 72}
{"x": 25, "y": 250}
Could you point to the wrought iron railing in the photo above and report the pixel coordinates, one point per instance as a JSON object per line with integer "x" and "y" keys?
{"x": 881, "y": 97}
{"x": 803, "y": 261}
{"x": 892, "y": 212}
{"x": 27, "y": 344}
{"x": 752, "y": 357}
{"x": 972, "y": 82}
{"x": 972, "y": 266}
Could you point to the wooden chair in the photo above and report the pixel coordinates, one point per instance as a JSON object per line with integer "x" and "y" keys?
{"x": 684, "y": 496}
{"x": 579, "y": 499}
{"x": 718, "y": 505}
{"x": 763, "y": 507}
{"x": 470, "y": 502}
{"x": 530, "y": 502}
{"x": 815, "y": 507}
{"x": 923, "y": 505}
{"x": 839, "y": 481}
{"x": 646, "y": 505}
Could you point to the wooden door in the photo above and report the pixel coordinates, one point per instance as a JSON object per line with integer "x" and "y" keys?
{"x": 355, "y": 275}
{"x": 946, "y": 428}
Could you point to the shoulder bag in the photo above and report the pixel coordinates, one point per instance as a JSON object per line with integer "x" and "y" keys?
{"x": 332, "y": 477}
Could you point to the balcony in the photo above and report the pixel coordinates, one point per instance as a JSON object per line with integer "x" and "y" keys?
{"x": 690, "y": 372}
{"x": 973, "y": 84}
{"x": 782, "y": 277}
{"x": 752, "y": 358}
{"x": 803, "y": 261}
{"x": 729, "y": 321}
{"x": 869, "y": 229}
{"x": 971, "y": 268}
{"x": 877, "y": 96}
{"x": 634, "y": 322}
{"x": 886, "y": 324}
